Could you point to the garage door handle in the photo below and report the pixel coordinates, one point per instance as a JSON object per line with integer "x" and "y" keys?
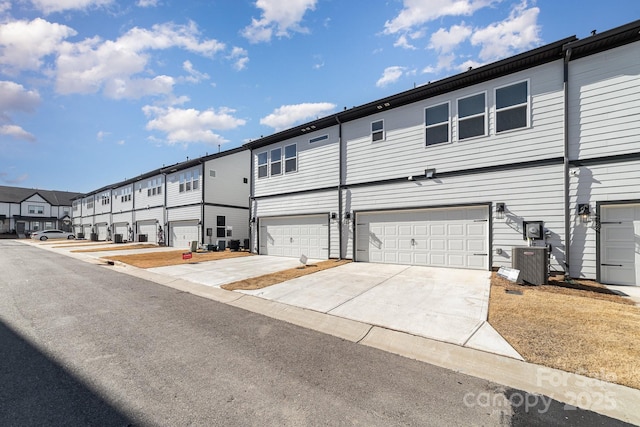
{"x": 480, "y": 254}
{"x": 290, "y": 239}
{"x": 610, "y": 222}
{"x": 612, "y": 265}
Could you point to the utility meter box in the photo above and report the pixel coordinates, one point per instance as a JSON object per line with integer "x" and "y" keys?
{"x": 533, "y": 263}
{"x": 533, "y": 230}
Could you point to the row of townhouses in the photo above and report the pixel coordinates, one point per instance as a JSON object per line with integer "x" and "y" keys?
{"x": 539, "y": 149}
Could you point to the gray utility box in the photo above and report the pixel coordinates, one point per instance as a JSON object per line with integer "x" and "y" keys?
{"x": 533, "y": 263}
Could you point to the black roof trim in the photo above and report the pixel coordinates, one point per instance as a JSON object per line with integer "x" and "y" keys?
{"x": 607, "y": 40}
{"x": 522, "y": 61}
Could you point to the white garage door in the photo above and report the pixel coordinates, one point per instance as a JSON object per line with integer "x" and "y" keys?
{"x": 295, "y": 236}
{"x": 619, "y": 254}
{"x": 121, "y": 228}
{"x": 102, "y": 231}
{"x": 150, "y": 228}
{"x": 452, "y": 237}
{"x": 182, "y": 233}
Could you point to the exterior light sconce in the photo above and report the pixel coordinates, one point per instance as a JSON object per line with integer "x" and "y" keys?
{"x": 500, "y": 210}
{"x": 253, "y": 220}
{"x": 347, "y": 216}
{"x": 584, "y": 212}
{"x": 334, "y": 216}
{"x": 430, "y": 173}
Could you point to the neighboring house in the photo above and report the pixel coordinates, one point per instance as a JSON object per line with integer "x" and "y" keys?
{"x": 23, "y": 210}
{"x": 540, "y": 149}
{"x": 204, "y": 200}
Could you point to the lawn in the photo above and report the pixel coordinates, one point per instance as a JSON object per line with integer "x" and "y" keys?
{"x": 163, "y": 259}
{"x": 577, "y": 327}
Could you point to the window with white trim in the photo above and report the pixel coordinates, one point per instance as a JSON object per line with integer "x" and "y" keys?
{"x": 36, "y": 209}
{"x": 377, "y": 131}
{"x": 472, "y": 116}
{"x": 290, "y": 158}
{"x": 262, "y": 165}
{"x": 437, "y": 121}
{"x": 276, "y": 161}
{"x": 512, "y": 106}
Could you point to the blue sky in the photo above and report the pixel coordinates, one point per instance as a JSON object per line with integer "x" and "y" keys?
{"x": 97, "y": 91}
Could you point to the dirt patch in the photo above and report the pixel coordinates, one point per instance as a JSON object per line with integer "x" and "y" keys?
{"x": 163, "y": 259}
{"x": 282, "y": 276}
{"x": 576, "y": 326}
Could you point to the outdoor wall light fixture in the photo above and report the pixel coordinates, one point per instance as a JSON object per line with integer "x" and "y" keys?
{"x": 334, "y": 216}
{"x": 430, "y": 173}
{"x": 347, "y": 215}
{"x": 500, "y": 210}
{"x": 584, "y": 212}
{"x": 253, "y": 220}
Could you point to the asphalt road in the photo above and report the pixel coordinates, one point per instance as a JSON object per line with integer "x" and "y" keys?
{"x": 81, "y": 344}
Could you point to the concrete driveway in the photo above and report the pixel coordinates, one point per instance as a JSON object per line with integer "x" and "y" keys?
{"x": 439, "y": 303}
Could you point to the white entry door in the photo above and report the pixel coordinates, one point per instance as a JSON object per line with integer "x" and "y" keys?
{"x": 620, "y": 244}
{"x": 451, "y": 237}
{"x": 182, "y": 233}
{"x": 295, "y": 236}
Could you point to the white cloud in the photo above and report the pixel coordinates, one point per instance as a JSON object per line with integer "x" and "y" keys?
{"x": 390, "y": 75}
{"x": 13, "y": 181}
{"x": 240, "y": 56}
{"x": 403, "y": 43}
{"x": 279, "y": 17}
{"x": 190, "y": 125}
{"x": 50, "y": 6}
{"x": 101, "y": 134}
{"x": 195, "y": 76}
{"x": 147, "y": 3}
{"x": 5, "y": 6}
{"x": 16, "y": 132}
{"x": 94, "y": 64}
{"x": 520, "y": 31}
{"x": 446, "y": 41}
{"x": 418, "y": 12}
{"x": 24, "y": 44}
{"x": 14, "y": 97}
{"x": 288, "y": 115}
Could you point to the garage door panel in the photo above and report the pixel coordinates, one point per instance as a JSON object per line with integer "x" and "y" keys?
{"x": 295, "y": 236}
{"x": 183, "y": 233}
{"x": 619, "y": 253}
{"x": 439, "y": 237}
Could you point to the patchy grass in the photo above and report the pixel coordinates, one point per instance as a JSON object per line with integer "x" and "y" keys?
{"x": 577, "y": 327}
{"x": 263, "y": 281}
{"x": 163, "y": 259}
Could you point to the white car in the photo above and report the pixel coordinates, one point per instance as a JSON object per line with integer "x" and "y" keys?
{"x": 52, "y": 234}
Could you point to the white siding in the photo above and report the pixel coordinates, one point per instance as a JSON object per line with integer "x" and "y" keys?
{"x": 301, "y": 204}
{"x": 102, "y": 219}
{"x": 238, "y": 219}
{"x": 140, "y": 196}
{"x": 604, "y": 100}
{"x": 228, "y": 186}
{"x": 37, "y": 201}
{"x": 184, "y": 214}
{"x": 533, "y": 194}
{"x": 611, "y": 182}
{"x": 175, "y": 197}
{"x": 403, "y": 153}
{"x": 117, "y": 204}
{"x": 122, "y": 218}
{"x": 148, "y": 214}
{"x": 86, "y": 211}
{"x": 318, "y": 165}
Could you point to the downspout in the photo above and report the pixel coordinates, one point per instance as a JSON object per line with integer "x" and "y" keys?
{"x": 253, "y": 222}
{"x": 340, "y": 170}
{"x": 202, "y": 225}
{"x": 165, "y": 214}
{"x": 567, "y": 211}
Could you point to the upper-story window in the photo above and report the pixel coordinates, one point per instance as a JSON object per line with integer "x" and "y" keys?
{"x": 437, "y": 120}
{"x": 290, "y": 158}
{"x": 154, "y": 187}
{"x": 377, "y": 131}
{"x": 105, "y": 198}
{"x": 75, "y": 205}
{"x": 472, "y": 116}
{"x": 90, "y": 204}
{"x": 262, "y": 165}
{"x": 36, "y": 209}
{"x": 125, "y": 194}
{"x": 319, "y": 138}
{"x": 189, "y": 181}
{"x": 276, "y": 161}
{"x": 512, "y": 106}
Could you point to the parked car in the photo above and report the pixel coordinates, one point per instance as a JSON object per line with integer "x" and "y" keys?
{"x": 52, "y": 234}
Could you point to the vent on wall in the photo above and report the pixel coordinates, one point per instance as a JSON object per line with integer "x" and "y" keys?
{"x": 212, "y": 173}
{"x": 533, "y": 263}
